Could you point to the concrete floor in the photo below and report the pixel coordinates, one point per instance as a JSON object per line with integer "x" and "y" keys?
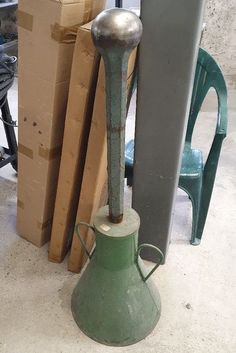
{"x": 197, "y": 284}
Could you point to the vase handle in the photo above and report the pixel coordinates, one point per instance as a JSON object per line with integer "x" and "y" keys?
{"x": 82, "y": 240}
{"x": 160, "y": 260}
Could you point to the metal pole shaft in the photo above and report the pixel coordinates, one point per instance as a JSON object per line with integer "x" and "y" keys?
{"x": 115, "y": 33}
{"x": 116, "y": 77}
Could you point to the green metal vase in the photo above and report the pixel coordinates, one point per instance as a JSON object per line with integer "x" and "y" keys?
{"x": 115, "y": 301}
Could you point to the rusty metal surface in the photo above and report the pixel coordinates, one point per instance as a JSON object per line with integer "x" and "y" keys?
{"x": 115, "y": 33}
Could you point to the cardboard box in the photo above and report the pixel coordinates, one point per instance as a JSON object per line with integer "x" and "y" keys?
{"x": 93, "y": 192}
{"x": 83, "y": 83}
{"x": 47, "y": 32}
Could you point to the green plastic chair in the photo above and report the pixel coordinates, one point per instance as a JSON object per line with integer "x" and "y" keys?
{"x": 196, "y": 177}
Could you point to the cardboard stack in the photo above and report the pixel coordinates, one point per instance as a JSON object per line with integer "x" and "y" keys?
{"x": 77, "y": 126}
{"x": 62, "y": 147}
{"x": 47, "y": 31}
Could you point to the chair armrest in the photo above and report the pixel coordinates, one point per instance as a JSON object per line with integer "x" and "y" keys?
{"x": 221, "y": 130}
{"x": 222, "y": 109}
{"x": 222, "y": 122}
{"x": 214, "y": 153}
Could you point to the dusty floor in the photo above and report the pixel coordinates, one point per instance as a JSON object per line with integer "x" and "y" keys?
{"x": 197, "y": 284}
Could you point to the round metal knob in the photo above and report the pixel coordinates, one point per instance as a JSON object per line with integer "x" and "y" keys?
{"x": 116, "y": 28}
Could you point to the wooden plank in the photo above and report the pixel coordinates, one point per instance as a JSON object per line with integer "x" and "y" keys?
{"x": 93, "y": 191}
{"x": 77, "y": 126}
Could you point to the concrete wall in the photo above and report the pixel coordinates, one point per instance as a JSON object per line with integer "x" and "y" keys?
{"x": 220, "y": 36}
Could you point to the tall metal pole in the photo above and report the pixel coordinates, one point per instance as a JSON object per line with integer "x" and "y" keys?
{"x": 125, "y": 31}
{"x": 167, "y": 61}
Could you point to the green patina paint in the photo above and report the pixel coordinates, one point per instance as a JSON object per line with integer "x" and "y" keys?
{"x": 115, "y": 302}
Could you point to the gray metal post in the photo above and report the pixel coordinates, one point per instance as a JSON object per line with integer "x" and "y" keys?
{"x": 168, "y": 54}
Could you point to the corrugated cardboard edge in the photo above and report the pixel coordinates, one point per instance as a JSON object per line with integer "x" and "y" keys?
{"x": 68, "y": 34}
{"x": 29, "y": 25}
{"x": 59, "y": 33}
{"x": 61, "y": 241}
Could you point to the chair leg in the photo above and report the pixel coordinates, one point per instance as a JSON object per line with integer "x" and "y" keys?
{"x": 209, "y": 175}
{"x": 130, "y": 181}
{"x": 194, "y": 190}
{"x": 196, "y": 205}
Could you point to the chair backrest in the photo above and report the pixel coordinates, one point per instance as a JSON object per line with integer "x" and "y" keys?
{"x": 207, "y": 75}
